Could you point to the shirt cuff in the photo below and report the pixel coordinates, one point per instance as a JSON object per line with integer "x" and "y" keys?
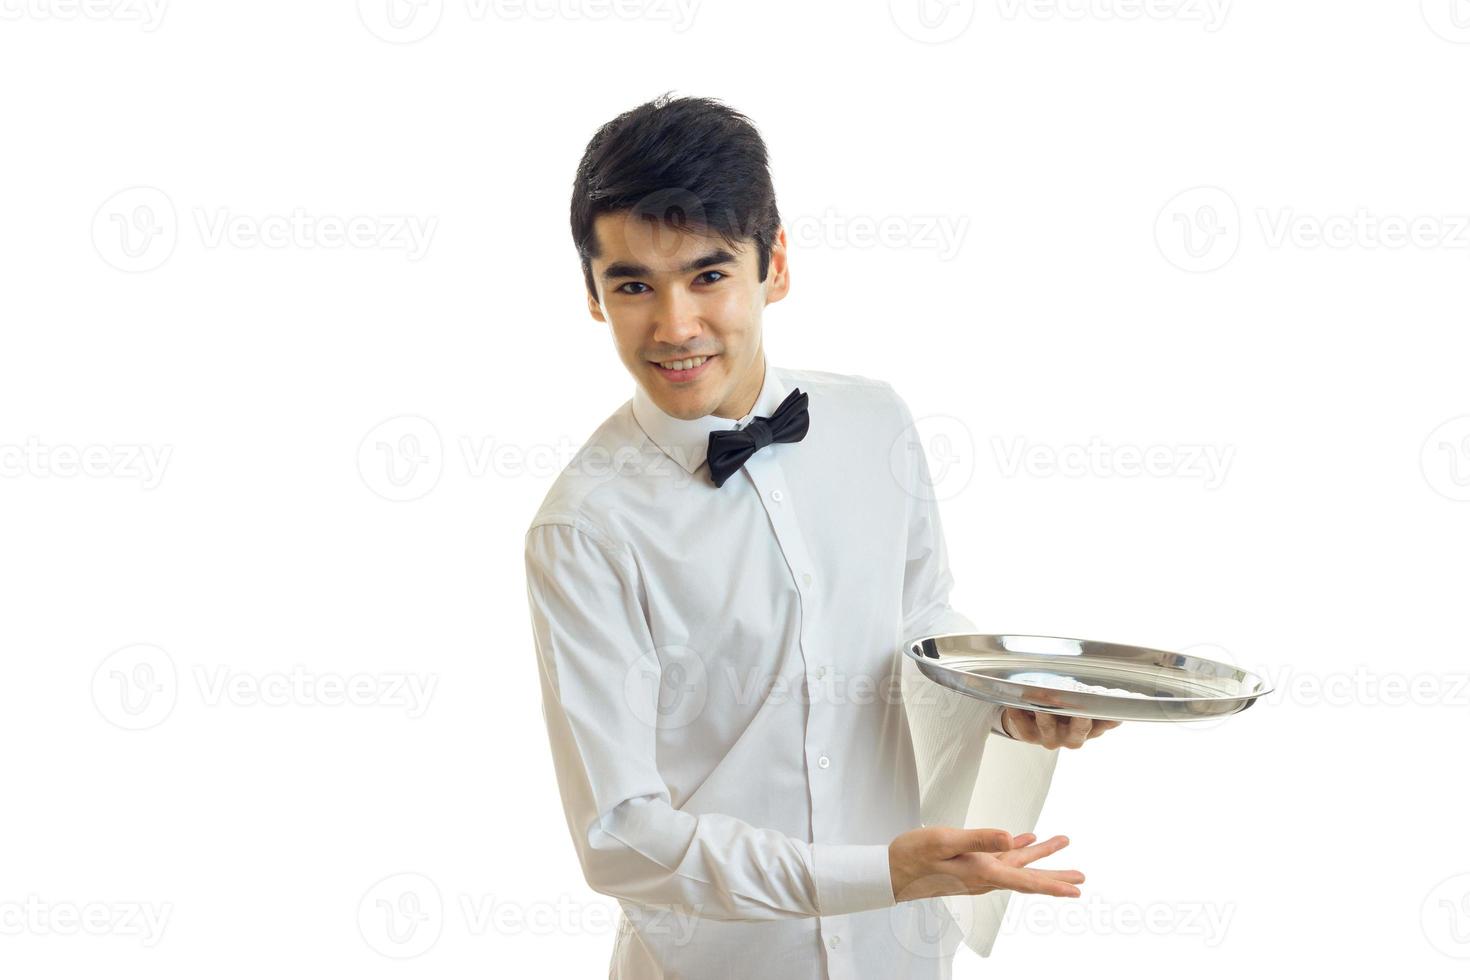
{"x": 852, "y": 878}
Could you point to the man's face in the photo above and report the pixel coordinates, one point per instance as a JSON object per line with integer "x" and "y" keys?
{"x": 672, "y": 295}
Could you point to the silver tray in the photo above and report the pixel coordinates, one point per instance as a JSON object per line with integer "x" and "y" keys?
{"x": 1041, "y": 673}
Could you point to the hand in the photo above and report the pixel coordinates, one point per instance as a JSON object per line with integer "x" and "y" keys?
{"x": 1052, "y": 731}
{"x": 933, "y": 861}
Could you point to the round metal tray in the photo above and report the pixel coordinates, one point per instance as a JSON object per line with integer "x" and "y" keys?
{"x": 1084, "y": 678}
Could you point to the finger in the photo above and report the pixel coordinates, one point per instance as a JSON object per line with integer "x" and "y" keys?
{"x": 1072, "y": 877}
{"x": 1008, "y": 719}
{"x": 983, "y": 839}
{"x": 1076, "y": 732}
{"x": 1098, "y": 727}
{"x": 1047, "y": 725}
{"x": 1022, "y": 880}
{"x": 1025, "y": 728}
{"x": 1020, "y": 856}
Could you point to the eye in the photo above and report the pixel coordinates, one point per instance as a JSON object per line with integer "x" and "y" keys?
{"x": 714, "y": 272}
{"x": 624, "y": 287}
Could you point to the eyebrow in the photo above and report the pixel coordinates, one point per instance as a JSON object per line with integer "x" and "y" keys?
{"x": 634, "y": 270}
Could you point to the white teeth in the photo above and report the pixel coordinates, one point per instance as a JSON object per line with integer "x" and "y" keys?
{"x": 683, "y": 365}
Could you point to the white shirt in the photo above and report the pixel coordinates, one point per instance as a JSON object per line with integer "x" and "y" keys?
{"x": 729, "y": 712}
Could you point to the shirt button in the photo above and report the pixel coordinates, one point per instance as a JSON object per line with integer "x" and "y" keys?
{"x": 834, "y": 942}
{"x": 776, "y": 495}
{"x": 824, "y": 762}
{"x": 806, "y": 578}
{"x": 821, "y": 672}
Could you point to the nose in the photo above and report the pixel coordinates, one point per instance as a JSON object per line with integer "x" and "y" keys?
{"x": 675, "y": 318}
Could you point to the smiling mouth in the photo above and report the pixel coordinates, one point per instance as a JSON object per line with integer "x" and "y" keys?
{"x": 680, "y": 373}
{"x": 683, "y": 364}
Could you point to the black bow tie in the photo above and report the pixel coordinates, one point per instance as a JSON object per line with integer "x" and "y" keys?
{"x": 730, "y": 448}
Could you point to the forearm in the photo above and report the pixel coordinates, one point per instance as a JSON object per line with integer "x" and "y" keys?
{"x": 719, "y": 867}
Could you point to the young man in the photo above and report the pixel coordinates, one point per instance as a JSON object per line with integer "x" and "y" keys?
{"x": 720, "y": 584}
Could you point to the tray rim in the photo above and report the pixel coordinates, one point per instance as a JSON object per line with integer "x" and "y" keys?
{"x": 910, "y": 644}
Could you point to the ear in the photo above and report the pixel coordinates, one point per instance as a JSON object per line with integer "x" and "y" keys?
{"x": 595, "y": 308}
{"x": 778, "y": 274}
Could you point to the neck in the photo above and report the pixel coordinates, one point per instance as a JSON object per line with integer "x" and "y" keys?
{"x": 747, "y": 398}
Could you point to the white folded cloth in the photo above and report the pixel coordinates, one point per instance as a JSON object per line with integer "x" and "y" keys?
{"x": 967, "y": 778}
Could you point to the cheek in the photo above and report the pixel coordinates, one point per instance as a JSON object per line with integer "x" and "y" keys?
{"x": 734, "y": 308}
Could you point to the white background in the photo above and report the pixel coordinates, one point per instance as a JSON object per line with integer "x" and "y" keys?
{"x": 1090, "y": 293}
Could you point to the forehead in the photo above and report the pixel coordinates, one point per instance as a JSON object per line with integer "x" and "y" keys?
{"x": 643, "y": 245}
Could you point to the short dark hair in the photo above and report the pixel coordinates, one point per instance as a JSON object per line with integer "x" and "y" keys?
{"x": 692, "y": 163}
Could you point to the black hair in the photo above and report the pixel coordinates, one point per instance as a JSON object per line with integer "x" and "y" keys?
{"x": 693, "y": 163}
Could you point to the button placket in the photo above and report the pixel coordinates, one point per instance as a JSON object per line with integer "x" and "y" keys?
{"x": 765, "y": 473}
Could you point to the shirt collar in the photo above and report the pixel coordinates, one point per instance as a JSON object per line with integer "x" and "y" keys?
{"x": 686, "y": 441}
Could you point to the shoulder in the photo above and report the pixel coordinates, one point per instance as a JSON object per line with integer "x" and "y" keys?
{"x": 852, "y": 393}
{"x": 582, "y": 495}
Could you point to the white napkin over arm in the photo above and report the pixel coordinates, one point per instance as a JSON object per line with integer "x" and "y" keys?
{"x": 966, "y": 777}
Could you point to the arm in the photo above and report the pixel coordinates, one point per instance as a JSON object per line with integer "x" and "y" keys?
{"x": 600, "y": 683}
{"x": 948, "y": 729}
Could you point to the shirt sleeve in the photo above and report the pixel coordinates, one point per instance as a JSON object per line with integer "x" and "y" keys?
{"x": 926, "y": 579}
{"x": 948, "y": 729}
{"x": 600, "y": 682}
